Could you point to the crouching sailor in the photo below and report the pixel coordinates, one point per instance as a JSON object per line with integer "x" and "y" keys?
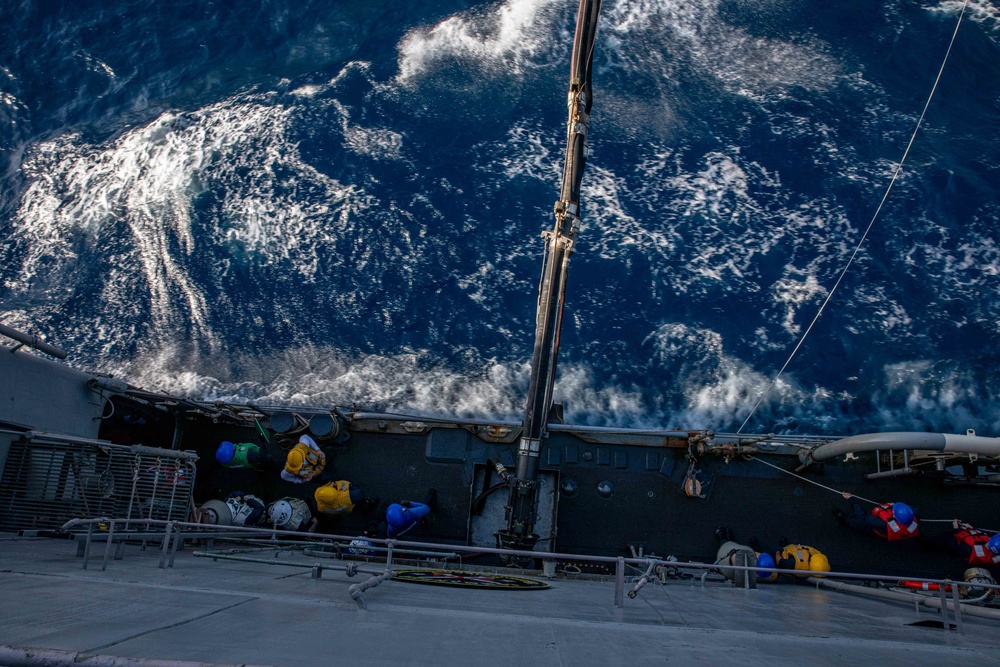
{"x": 340, "y": 497}
{"x": 292, "y": 514}
{"x": 891, "y": 521}
{"x": 239, "y": 509}
{"x": 801, "y": 557}
{"x": 732, "y": 553}
{"x": 964, "y": 541}
{"x": 304, "y": 461}
{"x": 403, "y": 517}
{"x": 243, "y": 456}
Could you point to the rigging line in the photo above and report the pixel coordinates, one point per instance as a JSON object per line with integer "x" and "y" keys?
{"x": 857, "y": 249}
{"x": 805, "y": 479}
{"x": 985, "y": 530}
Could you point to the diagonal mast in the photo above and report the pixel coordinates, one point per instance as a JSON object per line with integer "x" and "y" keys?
{"x": 559, "y": 243}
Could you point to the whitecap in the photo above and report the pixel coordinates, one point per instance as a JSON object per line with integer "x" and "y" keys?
{"x": 503, "y": 39}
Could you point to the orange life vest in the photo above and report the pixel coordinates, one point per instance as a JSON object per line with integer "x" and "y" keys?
{"x": 894, "y": 530}
{"x": 976, "y": 540}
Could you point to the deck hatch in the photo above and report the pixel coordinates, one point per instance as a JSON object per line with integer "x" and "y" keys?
{"x": 553, "y": 457}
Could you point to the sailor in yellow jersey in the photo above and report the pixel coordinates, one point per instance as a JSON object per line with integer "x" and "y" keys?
{"x": 304, "y": 461}
{"x": 788, "y": 557}
{"x": 340, "y": 497}
{"x": 801, "y": 557}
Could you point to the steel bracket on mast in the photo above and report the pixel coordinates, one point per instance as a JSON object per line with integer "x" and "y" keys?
{"x": 530, "y": 447}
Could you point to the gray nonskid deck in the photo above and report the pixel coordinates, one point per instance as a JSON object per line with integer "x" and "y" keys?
{"x": 236, "y": 612}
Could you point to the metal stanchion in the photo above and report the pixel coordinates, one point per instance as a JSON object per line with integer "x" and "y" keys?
{"x": 620, "y": 582}
{"x": 944, "y": 603}
{"x": 168, "y": 531}
{"x": 86, "y": 548}
{"x": 107, "y": 548}
{"x": 958, "y": 608}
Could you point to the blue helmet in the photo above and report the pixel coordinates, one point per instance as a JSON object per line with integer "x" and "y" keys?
{"x": 902, "y": 513}
{"x": 224, "y": 454}
{"x": 766, "y": 561}
{"x": 994, "y": 544}
{"x": 394, "y": 515}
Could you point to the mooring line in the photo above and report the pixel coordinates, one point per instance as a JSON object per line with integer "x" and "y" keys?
{"x": 830, "y": 488}
{"x": 806, "y": 479}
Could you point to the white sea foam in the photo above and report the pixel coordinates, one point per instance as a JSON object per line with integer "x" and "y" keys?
{"x": 618, "y": 231}
{"x": 719, "y": 189}
{"x": 936, "y": 396}
{"x": 721, "y": 226}
{"x": 965, "y": 263}
{"x": 144, "y": 181}
{"x": 308, "y": 91}
{"x": 9, "y": 100}
{"x": 713, "y": 388}
{"x": 793, "y": 291}
{"x": 503, "y": 39}
{"x": 986, "y": 12}
{"x": 719, "y": 389}
{"x": 408, "y": 382}
{"x": 319, "y": 376}
{"x": 528, "y": 155}
{"x": 720, "y": 229}
{"x": 746, "y": 64}
{"x": 716, "y": 388}
{"x": 378, "y": 142}
{"x": 586, "y": 400}
{"x": 81, "y": 196}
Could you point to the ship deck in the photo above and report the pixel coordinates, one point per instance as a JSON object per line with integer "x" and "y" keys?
{"x": 647, "y": 510}
{"x": 251, "y": 613}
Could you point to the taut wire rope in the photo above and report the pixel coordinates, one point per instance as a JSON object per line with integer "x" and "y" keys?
{"x": 857, "y": 249}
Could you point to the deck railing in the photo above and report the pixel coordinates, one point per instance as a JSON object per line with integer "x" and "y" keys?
{"x": 649, "y": 569}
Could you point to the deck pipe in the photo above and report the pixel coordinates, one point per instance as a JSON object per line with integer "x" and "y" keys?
{"x": 357, "y": 591}
{"x": 982, "y": 612}
{"x": 32, "y": 341}
{"x": 968, "y": 443}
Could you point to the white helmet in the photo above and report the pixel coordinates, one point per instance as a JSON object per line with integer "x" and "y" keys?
{"x": 216, "y": 512}
{"x": 279, "y": 512}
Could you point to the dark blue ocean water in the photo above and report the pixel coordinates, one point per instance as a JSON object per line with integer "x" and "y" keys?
{"x": 342, "y": 202}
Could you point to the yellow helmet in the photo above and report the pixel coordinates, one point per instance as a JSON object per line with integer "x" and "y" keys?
{"x": 819, "y": 563}
{"x": 692, "y": 487}
{"x": 326, "y": 494}
{"x": 294, "y": 461}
